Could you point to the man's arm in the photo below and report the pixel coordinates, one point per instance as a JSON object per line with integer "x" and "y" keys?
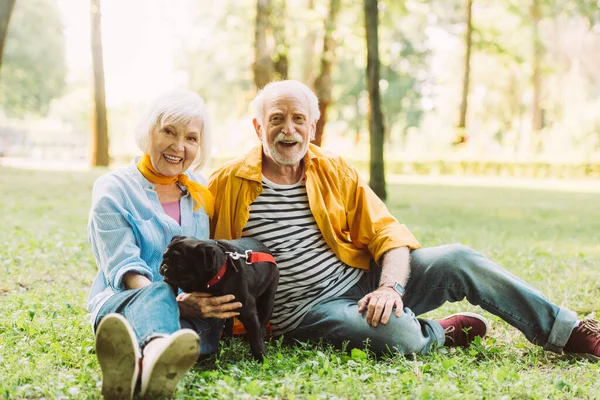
{"x": 379, "y": 304}
{"x": 395, "y": 266}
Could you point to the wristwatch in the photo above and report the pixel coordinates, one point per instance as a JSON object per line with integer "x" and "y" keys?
{"x": 396, "y": 286}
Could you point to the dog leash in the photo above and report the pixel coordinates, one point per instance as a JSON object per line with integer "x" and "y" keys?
{"x": 250, "y": 256}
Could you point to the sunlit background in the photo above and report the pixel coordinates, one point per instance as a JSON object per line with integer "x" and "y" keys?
{"x": 151, "y": 46}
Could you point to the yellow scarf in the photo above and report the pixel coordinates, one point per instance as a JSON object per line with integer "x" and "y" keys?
{"x": 200, "y": 194}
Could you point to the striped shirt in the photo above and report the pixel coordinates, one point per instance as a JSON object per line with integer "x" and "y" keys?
{"x": 309, "y": 270}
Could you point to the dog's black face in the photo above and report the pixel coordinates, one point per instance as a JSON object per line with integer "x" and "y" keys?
{"x": 189, "y": 263}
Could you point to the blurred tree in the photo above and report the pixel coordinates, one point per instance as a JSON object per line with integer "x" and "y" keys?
{"x": 263, "y": 66}
{"x": 270, "y": 46}
{"x": 462, "y": 118}
{"x": 377, "y": 166}
{"x": 404, "y": 67}
{"x": 100, "y": 156}
{"x": 34, "y": 59}
{"x": 323, "y": 84}
{"x": 279, "y": 53}
{"x": 536, "y": 78}
{"x": 6, "y": 7}
{"x": 309, "y": 43}
{"x": 543, "y": 66}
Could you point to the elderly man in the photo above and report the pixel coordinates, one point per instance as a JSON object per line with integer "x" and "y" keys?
{"x": 350, "y": 272}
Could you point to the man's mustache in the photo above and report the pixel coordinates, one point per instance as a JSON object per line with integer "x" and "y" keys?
{"x": 281, "y": 136}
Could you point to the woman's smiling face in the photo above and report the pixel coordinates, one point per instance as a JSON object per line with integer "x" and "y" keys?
{"x": 174, "y": 147}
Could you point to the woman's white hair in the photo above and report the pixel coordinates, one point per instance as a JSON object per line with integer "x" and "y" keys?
{"x": 178, "y": 107}
{"x": 258, "y": 104}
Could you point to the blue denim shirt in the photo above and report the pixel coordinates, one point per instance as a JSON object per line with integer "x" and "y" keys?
{"x": 129, "y": 230}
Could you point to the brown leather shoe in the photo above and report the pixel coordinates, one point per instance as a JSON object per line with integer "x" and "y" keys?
{"x": 462, "y": 328}
{"x": 585, "y": 340}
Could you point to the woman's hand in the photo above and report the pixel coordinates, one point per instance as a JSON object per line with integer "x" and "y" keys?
{"x": 204, "y": 305}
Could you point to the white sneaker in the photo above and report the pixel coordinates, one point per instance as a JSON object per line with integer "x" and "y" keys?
{"x": 167, "y": 361}
{"x": 118, "y": 354}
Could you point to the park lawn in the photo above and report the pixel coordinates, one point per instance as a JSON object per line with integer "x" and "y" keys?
{"x": 549, "y": 238}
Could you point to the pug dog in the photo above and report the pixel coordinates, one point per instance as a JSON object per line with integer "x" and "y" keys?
{"x": 243, "y": 267}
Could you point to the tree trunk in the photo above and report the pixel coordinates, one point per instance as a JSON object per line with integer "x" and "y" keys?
{"x": 308, "y": 47}
{"x": 377, "y": 172}
{"x": 6, "y": 7}
{"x": 323, "y": 83}
{"x": 536, "y": 78}
{"x": 278, "y": 23}
{"x": 100, "y": 155}
{"x": 263, "y": 64}
{"x": 462, "y": 118}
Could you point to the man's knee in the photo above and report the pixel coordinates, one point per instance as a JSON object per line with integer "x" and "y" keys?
{"x": 457, "y": 254}
{"x": 400, "y": 335}
{"x": 455, "y": 257}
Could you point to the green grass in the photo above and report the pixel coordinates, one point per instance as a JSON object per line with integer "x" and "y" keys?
{"x": 549, "y": 238}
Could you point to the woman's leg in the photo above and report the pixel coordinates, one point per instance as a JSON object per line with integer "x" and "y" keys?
{"x": 151, "y": 311}
{"x": 168, "y": 351}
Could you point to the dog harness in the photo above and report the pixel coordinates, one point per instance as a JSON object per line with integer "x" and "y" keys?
{"x": 250, "y": 256}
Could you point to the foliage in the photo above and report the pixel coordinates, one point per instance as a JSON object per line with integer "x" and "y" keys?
{"x": 549, "y": 238}
{"x": 33, "y": 70}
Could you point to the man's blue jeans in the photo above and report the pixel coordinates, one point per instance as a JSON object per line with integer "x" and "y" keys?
{"x": 438, "y": 274}
{"x": 152, "y": 311}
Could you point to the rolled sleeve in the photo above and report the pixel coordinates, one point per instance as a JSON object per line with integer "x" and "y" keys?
{"x": 373, "y": 226}
{"x": 116, "y": 248}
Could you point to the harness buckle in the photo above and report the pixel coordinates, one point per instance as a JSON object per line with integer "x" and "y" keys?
{"x": 247, "y": 255}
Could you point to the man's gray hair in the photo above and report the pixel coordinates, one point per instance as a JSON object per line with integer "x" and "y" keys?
{"x": 258, "y": 104}
{"x": 177, "y": 107}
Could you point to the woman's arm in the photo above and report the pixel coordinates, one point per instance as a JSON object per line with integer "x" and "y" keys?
{"x": 133, "y": 280}
{"x": 114, "y": 244}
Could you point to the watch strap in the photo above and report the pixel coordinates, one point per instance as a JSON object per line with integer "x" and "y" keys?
{"x": 396, "y": 286}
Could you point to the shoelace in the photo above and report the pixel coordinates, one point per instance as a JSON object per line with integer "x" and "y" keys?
{"x": 449, "y": 329}
{"x": 449, "y": 333}
{"x": 591, "y": 327}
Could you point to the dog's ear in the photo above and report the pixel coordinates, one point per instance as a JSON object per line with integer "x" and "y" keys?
{"x": 177, "y": 238}
{"x": 210, "y": 256}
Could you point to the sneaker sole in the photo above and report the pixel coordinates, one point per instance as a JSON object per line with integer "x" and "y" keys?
{"x": 117, "y": 352}
{"x": 175, "y": 360}
{"x": 477, "y": 316}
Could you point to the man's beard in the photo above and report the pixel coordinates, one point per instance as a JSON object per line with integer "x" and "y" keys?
{"x": 271, "y": 148}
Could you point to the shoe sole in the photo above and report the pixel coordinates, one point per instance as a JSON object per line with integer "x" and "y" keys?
{"x": 117, "y": 352}
{"x": 477, "y": 316}
{"x": 171, "y": 365}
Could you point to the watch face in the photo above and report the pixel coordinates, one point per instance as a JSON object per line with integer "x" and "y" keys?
{"x": 398, "y": 288}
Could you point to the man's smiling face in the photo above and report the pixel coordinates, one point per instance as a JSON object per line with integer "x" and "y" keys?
{"x": 285, "y": 130}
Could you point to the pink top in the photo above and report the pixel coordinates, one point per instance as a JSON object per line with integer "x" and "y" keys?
{"x": 172, "y": 210}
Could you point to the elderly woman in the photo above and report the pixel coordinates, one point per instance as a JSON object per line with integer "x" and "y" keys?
{"x": 134, "y": 214}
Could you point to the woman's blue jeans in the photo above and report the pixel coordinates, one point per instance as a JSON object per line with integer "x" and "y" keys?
{"x": 438, "y": 274}
{"x": 152, "y": 311}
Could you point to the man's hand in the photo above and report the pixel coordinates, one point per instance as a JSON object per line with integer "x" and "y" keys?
{"x": 380, "y": 304}
{"x": 204, "y": 305}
